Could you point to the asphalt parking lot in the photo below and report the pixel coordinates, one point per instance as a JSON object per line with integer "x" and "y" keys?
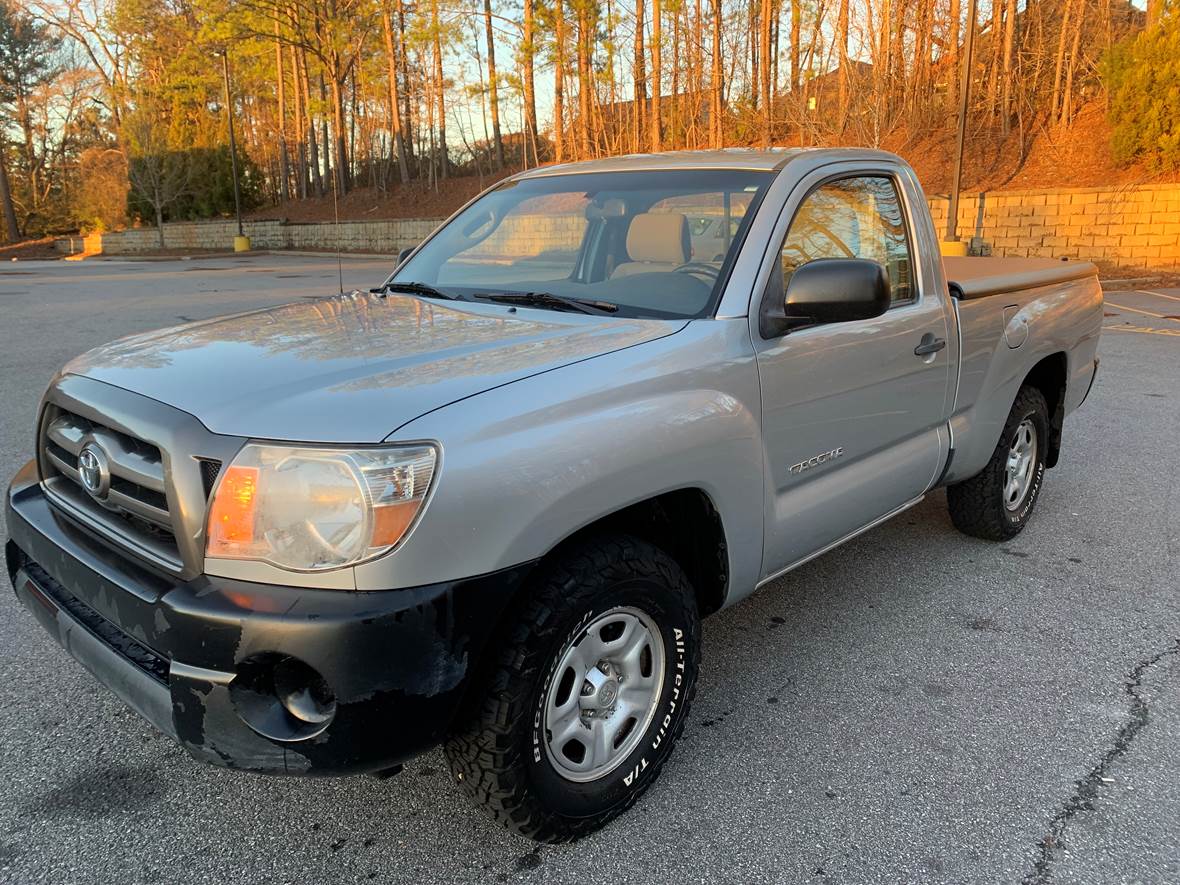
{"x": 915, "y": 706}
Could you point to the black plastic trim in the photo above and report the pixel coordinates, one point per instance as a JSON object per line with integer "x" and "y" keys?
{"x": 398, "y": 662}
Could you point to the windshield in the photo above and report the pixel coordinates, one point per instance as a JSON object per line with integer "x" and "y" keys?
{"x": 655, "y": 244}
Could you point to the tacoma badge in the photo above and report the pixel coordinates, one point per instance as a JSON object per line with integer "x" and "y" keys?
{"x": 821, "y": 458}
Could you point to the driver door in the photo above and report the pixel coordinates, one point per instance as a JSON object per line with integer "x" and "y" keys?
{"x": 853, "y": 419}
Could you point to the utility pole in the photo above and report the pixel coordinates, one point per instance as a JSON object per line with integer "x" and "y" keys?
{"x": 952, "y": 214}
{"x": 233, "y": 150}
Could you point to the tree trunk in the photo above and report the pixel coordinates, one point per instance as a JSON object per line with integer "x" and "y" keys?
{"x": 993, "y": 79}
{"x": 317, "y": 179}
{"x": 281, "y": 127}
{"x": 300, "y": 128}
{"x": 755, "y": 45}
{"x": 583, "y": 49}
{"x": 951, "y": 56}
{"x": 1009, "y": 39}
{"x": 764, "y": 54}
{"x": 159, "y": 207}
{"x": 528, "y": 52}
{"x": 640, "y": 78}
{"x": 408, "y": 106}
{"x": 492, "y": 94}
{"x": 329, "y": 176}
{"x": 440, "y": 90}
{"x": 395, "y": 112}
{"x": 1067, "y": 98}
{"x": 559, "y": 82}
{"x": 656, "y": 86}
{"x": 842, "y": 55}
{"x": 676, "y": 121}
{"x": 898, "y": 84}
{"x": 338, "y": 131}
{"x": 1059, "y": 67}
{"x": 717, "y": 100}
{"x": 11, "y": 228}
{"x": 796, "y": 33}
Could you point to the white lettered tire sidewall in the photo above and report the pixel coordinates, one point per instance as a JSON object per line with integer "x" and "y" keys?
{"x": 1036, "y": 413}
{"x": 680, "y": 637}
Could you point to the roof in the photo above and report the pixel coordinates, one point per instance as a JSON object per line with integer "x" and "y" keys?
{"x": 753, "y": 159}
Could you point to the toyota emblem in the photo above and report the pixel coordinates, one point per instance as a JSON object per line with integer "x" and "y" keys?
{"x": 94, "y": 469}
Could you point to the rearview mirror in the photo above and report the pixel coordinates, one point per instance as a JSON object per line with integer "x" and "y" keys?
{"x": 834, "y": 290}
{"x": 403, "y": 255}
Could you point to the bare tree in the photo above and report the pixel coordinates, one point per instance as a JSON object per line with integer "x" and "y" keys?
{"x": 559, "y": 80}
{"x": 395, "y": 116}
{"x": 11, "y": 228}
{"x": 492, "y": 85}
{"x": 528, "y": 51}
{"x": 639, "y": 76}
{"x": 716, "y": 97}
{"x": 656, "y": 85}
{"x": 160, "y": 175}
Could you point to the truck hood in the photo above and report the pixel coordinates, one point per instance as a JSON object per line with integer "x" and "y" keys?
{"x": 352, "y": 368}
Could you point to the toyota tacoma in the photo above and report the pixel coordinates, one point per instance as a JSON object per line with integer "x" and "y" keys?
{"x": 487, "y": 503}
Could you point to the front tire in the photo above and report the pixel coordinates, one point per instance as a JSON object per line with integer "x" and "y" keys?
{"x": 997, "y": 502}
{"x": 589, "y": 694}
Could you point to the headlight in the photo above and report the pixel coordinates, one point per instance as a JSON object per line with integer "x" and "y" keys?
{"x": 308, "y": 509}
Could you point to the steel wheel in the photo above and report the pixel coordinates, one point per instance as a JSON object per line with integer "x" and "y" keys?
{"x": 603, "y": 694}
{"x": 1022, "y": 459}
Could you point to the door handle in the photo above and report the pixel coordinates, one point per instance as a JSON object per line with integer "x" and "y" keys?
{"x": 929, "y": 345}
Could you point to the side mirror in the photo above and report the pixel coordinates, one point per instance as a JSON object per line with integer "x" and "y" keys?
{"x": 403, "y": 255}
{"x": 831, "y": 290}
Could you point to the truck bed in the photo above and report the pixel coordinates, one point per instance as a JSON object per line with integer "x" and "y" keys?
{"x": 969, "y": 278}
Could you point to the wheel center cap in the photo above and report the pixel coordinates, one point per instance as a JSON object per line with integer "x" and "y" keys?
{"x": 608, "y": 693}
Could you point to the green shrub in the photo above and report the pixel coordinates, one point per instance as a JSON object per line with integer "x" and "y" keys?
{"x": 1142, "y": 74}
{"x": 198, "y": 183}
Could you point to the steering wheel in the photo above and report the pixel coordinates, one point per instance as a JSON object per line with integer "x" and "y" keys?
{"x": 700, "y": 267}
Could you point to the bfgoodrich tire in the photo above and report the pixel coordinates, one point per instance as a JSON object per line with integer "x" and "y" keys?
{"x": 997, "y": 503}
{"x": 589, "y": 693}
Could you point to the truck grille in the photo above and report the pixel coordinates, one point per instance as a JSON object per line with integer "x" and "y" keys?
{"x": 132, "y": 509}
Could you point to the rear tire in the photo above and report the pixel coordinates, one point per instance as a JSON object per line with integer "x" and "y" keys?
{"x": 997, "y": 502}
{"x": 615, "y": 601}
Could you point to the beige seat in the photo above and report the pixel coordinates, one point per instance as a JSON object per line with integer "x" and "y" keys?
{"x": 657, "y": 242}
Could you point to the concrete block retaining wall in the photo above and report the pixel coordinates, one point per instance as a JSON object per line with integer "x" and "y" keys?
{"x": 1133, "y": 227}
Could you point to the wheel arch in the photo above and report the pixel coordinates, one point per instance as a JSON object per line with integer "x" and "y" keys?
{"x": 685, "y": 524}
{"x": 1050, "y": 376}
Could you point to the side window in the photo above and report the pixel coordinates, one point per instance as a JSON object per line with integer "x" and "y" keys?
{"x": 852, "y": 218}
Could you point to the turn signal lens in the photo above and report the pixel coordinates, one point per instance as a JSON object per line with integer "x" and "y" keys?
{"x": 310, "y": 509}
{"x": 231, "y": 518}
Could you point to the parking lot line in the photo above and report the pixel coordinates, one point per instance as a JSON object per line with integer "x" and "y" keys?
{"x": 1172, "y": 332}
{"x": 1159, "y": 294}
{"x": 1146, "y": 313}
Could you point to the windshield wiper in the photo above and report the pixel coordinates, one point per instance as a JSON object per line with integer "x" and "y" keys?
{"x": 414, "y": 289}
{"x": 548, "y": 299}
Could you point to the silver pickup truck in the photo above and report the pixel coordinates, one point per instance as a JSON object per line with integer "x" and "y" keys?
{"x": 487, "y": 503}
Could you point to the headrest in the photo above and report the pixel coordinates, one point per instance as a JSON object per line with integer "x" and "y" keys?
{"x": 659, "y": 236}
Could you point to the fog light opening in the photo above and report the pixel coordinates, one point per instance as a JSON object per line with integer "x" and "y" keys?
{"x": 282, "y": 698}
{"x": 303, "y": 692}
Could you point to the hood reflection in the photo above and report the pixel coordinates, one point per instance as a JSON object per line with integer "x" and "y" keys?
{"x": 375, "y": 347}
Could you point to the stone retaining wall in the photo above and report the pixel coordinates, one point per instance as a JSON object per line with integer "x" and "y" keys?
{"x": 383, "y": 237}
{"x": 1133, "y": 227}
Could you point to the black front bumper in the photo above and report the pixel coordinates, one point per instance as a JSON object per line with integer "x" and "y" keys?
{"x": 397, "y": 661}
